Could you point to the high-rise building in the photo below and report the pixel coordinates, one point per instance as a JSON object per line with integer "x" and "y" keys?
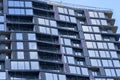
{"x": 43, "y": 40}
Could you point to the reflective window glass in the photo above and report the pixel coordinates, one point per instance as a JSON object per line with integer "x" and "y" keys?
{"x": 19, "y": 36}
{"x": 71, "y": 60}
{"x": 2, "y": 28}
{"x": 2, "y": 75}
{"x": 48, "y": 76}
{"x": 69, "y": 50}
{"x": 71, "y": 12}
{"x": 28, "y": 4}
{"x": 111, "y": 45}
{"x": 20, "y": 55}
{"x": 53, "y": 23}
{"x": 33, "y": 55}
{"x": 29, "y": 12}
{"x": 101, "y": 15}
{"x": 62, "y": 77}
{"x": 104, "y": 22}
{"x": 84, "y": 71}
{"x": 1, "y": 18}
{"x": 72, "y": 69}
{"x": 34, "y": 65}
{"x": 31, "y": 36}
{"x": 32, "y": 45}
{"x": 54, "y": 31}
{"x": 19, "y": 45}
{"x": 73, "y": 19}
{"x": 13, "y": 65}
{"x": 116, "y": 63}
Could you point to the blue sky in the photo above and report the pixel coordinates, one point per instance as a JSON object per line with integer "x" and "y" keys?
{"x": 111, "y": 4}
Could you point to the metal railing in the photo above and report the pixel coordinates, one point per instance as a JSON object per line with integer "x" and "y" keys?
{"x": 60, "y": 3}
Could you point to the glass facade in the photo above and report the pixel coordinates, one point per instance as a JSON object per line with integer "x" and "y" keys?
{"x": 44, "y": 41}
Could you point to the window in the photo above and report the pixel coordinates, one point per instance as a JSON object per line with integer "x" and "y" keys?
{"x": 34, "y": 65}
{"x": 89, "y": 36}
{"x": 28, "y": 4}
{"x": 111, "y": 46}
{"x": 32, "y": 45}
{"x": 62, "y": 10}
{"x": 107, "y": 63}
{"x": 62, "y": 77}
{"x": 65, "y": 41}
{"x": 41, "y": 21}
{"x": 93, "y": 53}
{"x": 95, "y": 62}
{"x": 48, "y": 76}
{"x": 91, "y": 45}
{"x": 47, "y": 30}
{"x": 116, "y": 63}
{"x": 86, "y": 28}
{"x": 10, "y": 3}
{"x": 53, "y": 23}
{"x": 78, "y": 70}
{"x": 24, "y": 65}
{"x": 100, "y": 45}
{"x": 118, "y": 72}
{"x": 15, "y": 3}
{"x": 14, "y": 65}
{"x": 91, "y": 29}
{"x": 11, "y": 11}
{"x": 96, "y": 29}
{"x": 113, "y": 54}
{"x": 98, "y": 37}
{"x": 33, "y": 55}
{"x": 104, "y": 22}
{"x": 51, "y": 76}
{"x": 95, "y": 21}
{"x": 73, "y": 19}
{"x": 64, "y": 18}
{"x": 2, "y": 75}
{"x": 29, "y": 12}
{"x": 72, "y": 69}
{"x": 67, "y": 18}
{"x": 19, "y": 36}
{"x": 93, "y": 14}
{"x": 2, "y": 28}
{"x": 71, "y": 60}
{"x": 54, "y": 31}
{"x": 1, "y": 18}
{"x": 47, "y": 22}
{"x": 20, "y": 55}
{"x": 20, "y": 11}
{"x": 21, "y": 65}
{"x": 31, "y": 36}
{"x": 19, "y": 4}
{"x": 84, "y": 71}
{"x": 104, "y": 54}
{"x": 71, "y": 12}
{"x": 101, "y": 15}
{"x": 20, "y": 45}
{"x": 67, "y": 50}
{"x": 110, "y": 72}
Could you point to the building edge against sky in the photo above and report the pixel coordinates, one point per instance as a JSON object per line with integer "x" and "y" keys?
{"x": 45, "y": 41}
